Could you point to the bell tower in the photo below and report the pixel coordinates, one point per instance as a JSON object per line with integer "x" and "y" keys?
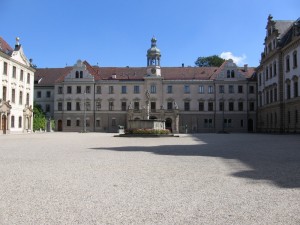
{"x": 153, "y": 59}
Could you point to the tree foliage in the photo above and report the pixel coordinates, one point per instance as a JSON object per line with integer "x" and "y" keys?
{"x": 39, "y": 118}
{"x": 209, "y": 61}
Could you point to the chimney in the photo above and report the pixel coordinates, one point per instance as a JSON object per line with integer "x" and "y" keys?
{"x": 245, "y": 67}
{"x": 182, "y": 65}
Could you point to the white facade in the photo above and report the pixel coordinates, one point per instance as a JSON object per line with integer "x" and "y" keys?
{"x": 16, "y": 90}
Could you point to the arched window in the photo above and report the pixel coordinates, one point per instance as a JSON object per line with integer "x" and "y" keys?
{"x": 20, "y": 121}
{"x": 228, "y": 73}
{"x": 77, "y": 74}
{"x": 12, "y": 121}
{"x": 81, "y": 74}
{"x": 232, "y": 73}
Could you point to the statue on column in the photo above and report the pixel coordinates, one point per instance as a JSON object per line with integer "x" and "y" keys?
{"x": 147, "y": 94}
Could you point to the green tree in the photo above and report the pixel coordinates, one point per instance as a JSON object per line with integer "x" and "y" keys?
{"x": 39, "y": 118}
{"x": 209, "y": 61}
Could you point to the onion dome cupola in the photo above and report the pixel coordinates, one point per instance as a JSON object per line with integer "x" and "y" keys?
{"x": 153, "y": 59}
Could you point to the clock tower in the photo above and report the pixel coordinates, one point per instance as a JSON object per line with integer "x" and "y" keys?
{"x": 153, "y": 59}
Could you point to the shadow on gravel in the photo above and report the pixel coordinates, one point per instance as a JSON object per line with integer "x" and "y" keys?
{"x": 272, "y": 157}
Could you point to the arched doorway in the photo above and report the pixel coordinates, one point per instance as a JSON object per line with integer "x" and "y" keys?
{"x": 4, "y": 123}
{"x": 59, "y": 125}
{"x": 250, "y": 125}
{"x": 169, "y": 124}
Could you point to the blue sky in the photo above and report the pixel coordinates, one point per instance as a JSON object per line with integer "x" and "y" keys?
{"x": 56, "y": 33}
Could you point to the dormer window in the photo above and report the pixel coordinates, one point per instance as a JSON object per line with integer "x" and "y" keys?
{"x": 228, "y": 73}
{"x": 232, "y": 74}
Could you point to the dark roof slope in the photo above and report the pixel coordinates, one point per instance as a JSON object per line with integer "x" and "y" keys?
{"x": 49, "y": 76}
{"x": 4, "y": 47}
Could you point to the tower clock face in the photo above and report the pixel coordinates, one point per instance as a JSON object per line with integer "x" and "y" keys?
{"x": 153, "y": 70}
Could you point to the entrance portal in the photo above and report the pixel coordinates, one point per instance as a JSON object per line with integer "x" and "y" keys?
{"x": 59, "y": 125}
{"x": 3, "y": 122}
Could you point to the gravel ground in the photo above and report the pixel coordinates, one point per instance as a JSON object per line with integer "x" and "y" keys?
{"x": 92, "y": 178}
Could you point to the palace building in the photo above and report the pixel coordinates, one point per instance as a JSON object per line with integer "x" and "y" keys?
{"x": 16, "y": 89}
{"x": 189, "y": 99}
{"x": 278, "y": 78}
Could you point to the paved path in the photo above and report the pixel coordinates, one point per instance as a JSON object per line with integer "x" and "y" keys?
{"x": 92, "y": 178}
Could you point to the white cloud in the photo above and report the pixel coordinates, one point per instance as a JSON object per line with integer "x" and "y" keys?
{"x": 239, "y": 60}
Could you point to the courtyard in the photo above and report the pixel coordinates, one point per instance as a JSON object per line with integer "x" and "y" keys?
{"x": 95, "y": 178}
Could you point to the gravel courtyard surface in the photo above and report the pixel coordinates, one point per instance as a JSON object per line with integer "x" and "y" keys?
{"x": 92, "y": 178}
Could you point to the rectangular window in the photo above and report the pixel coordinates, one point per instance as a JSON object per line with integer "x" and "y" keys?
{"x": 186, "y": 89}
{"x": 201, "y": 89}
{"x": 242, "y": 123}
{"x": 170, "y": 105}
{"x": 201, "y": 106}
{"x": 68, "y": 123}
{"x": 59, "y": 106}
{"x": 13, "y": 95}
{"x": 251, "y": 106}
{"x": 5, "y": 68}
{"x": 113, "y": 122}
{"x": 231, "y": 106}
{"x": 208, "y": 123}
{"x": 78, "y": 89}
{"x": 231, "y": 89}
{"x": 153, "y": 88}
{"x": 210, "y": 106}
{"x": 48, "y": 94}
{"x": 136, "y": 105}
{"x": 27, "y": 99}
{"x": 60, "y": 90}
{"x": 221, "y": 106}
{"x": 77, "y": 106}
{"x": 295, "y": 89}
{"x": 221, "y": 89}
{"x": 251, "y": 89}
{"x": 4, "y": 93}
{"x": 136, "y": 89}
{"x": 123, "y": 106}
{"x": 14, "y": 72}
{"x": 275, "y": 94}
{"x": 88, "y": 89}
{"x": 98, "y": 105}
{"x": 295, "y": 64}
{"x": 38, "y": 94}
{"x": 110, "y": 106}
{"x": 287, "y": 63}
{"x": 275, "y": 69}
{"x": 186, "y": 106}
{"x": 12, "y": 121}
{"x": 47, "y": 108}
{"x": 124, "y": 90}
{"x": 21, "y": 98}
{"x": 98, "y": 89}
{"x": 21, "y": 75}
{"x": 227, "y": 122}
{"x": 98, "y": 123}
{"x": 111, "y": 89}
{"x": 169, "y": 89}
{"x": 241, "y": 106}
{"x": 28, "y": 78}
{"x": 240, "y": 89}
{"x": 210, "y": 89}
{"x": 87, "y": 123}
{"x": 69, "y": 89}
{"x": 77, "y": 123}
{"x": 69, "y": 106}
{"x": 20, "y": 121}
{"x": 288, "y": 91}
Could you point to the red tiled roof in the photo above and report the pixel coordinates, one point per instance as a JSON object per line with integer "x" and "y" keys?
{"x": 4, "y": 47}
{"x": 138, "y": 73}
{"x": 49, "y": 76}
